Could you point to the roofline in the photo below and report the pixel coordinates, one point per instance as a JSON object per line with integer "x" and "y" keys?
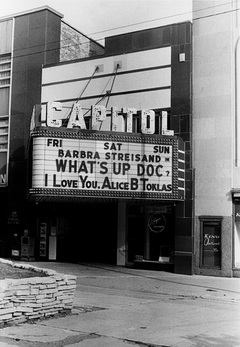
{"x": 42, "y": 8}
{"x": 151, "y": 28}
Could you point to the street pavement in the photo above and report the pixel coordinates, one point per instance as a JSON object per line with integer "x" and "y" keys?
{"x": 123, "y": 307}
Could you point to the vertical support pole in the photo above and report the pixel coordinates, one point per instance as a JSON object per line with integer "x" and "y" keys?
{"x": 121, "y": 234}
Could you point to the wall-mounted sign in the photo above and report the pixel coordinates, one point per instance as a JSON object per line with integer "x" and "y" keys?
{"x": 157, "y": 222}
{"x": 101, "y": 118}
{"x": 210, "y": 241}
{"x": 3, "y": 179}
{"x": 105, "y": 165}
{"x": 3, "y": 169}
{"x": 237, "y": 213}
{"x": 13, "y": 218}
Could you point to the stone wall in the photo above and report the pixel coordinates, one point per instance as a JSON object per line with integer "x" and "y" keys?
{"x": 35, "y": 297}
{"x": 75, "y": 45}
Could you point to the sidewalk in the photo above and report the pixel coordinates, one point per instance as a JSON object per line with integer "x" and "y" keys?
{"x": 120, "y": 307}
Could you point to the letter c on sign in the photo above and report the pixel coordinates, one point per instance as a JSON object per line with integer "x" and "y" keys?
{"x": 51, "y": 122}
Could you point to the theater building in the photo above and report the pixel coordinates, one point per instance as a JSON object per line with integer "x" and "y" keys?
{"x": 110, "y": 176}
{"x": 126, "y": 154}
{"x": 96, "y": 144}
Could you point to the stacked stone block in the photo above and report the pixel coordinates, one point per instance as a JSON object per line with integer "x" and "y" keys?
{"x": 36, "y": 297}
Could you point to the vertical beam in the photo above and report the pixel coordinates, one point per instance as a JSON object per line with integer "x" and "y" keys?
{"x": 121, "y": 234}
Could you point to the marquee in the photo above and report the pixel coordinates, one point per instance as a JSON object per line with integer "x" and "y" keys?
{"x": 89, "y": 164}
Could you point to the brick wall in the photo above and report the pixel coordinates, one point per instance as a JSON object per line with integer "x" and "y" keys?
{"x": 35, "y": 297}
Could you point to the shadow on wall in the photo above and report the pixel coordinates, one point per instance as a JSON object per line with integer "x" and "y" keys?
{"x": 18, "y": 170}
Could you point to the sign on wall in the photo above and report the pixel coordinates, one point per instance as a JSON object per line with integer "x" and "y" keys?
{"x": 100, "y": 118}
{"x": 237, "y": 213}
{"x": 106, "y": 165}
{"x": 211, "y": 241}
{"x": 157, "y": 222}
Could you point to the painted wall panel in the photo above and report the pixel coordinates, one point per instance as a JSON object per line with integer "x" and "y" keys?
{"x": 123, "y": 83}
{"x": 153, "y": 100}
{"x": 213, "y": 111}
{"x": 159, "y": 99}
{"x": 84, "y": 69}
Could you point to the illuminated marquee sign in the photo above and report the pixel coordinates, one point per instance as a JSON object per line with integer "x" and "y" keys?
{"x": 84, "y": 163}
{"x": 114, "y": 119}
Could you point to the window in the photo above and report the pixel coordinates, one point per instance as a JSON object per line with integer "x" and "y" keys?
{"x": 5, "y": 70}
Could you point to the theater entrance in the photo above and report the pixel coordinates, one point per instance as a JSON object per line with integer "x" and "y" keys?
{"x": 78, "y": 232}
{"x": 93, "y": 233}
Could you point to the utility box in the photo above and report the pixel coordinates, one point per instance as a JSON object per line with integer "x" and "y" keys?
{"x": 27, "y": 248}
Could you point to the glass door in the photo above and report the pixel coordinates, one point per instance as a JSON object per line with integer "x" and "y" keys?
{"x": 159, "y": 244}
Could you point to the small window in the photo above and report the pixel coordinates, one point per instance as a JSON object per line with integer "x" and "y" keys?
{"x": 211, "y": 241}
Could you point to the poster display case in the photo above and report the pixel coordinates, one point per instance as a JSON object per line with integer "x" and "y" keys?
{"x": 43, "y": 240}
{"x": 211, "y": 254}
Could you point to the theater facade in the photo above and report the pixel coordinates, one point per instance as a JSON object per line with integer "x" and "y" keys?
{"x": 109, "y": 156}
{"x": 126, "y": 153}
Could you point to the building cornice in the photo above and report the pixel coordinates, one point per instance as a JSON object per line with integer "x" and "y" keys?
{"x": 38, "y": 9}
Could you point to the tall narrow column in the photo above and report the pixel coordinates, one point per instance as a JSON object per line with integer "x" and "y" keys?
{"x": 121, "y": 234}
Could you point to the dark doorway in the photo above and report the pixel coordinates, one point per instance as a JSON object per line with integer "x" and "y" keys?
{"x": 92, "y": 232}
